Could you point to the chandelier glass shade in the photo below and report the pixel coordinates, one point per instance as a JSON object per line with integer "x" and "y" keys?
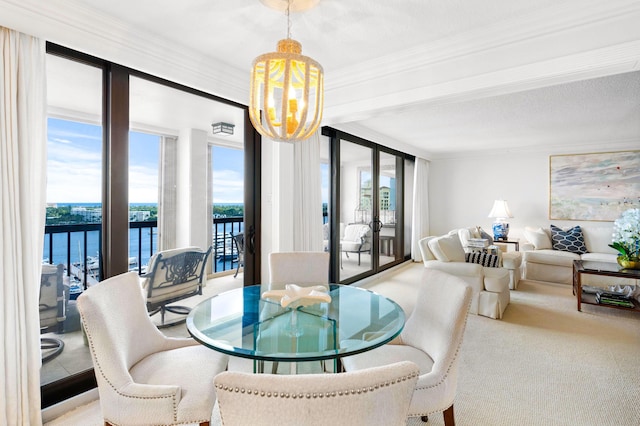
{"x": 287, "y": 93}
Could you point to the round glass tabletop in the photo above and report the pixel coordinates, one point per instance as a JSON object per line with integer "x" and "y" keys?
{"x": 240, "y": 323}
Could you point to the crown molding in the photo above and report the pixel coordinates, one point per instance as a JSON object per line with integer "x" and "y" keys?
{"x": 564, "y": 147}
{"x": 539, "y": 24}
{"x": 74, "y": 25}
{"x": 595, "y": 63}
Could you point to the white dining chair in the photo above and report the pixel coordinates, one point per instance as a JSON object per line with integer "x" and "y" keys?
{"x": 303, "y": 268}
{"x": 431, "y": 338}
{"x": 376, "y": 396}
{"x": 144, "y": 377}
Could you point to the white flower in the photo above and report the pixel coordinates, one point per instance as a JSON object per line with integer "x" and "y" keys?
{"x": 626, "y": 234}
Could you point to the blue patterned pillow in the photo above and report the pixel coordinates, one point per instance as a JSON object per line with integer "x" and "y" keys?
{"x": 571, "y": 240}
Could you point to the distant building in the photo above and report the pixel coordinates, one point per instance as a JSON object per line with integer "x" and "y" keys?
{"x": 88, "y": 215}
{"x": 139, "y": 215}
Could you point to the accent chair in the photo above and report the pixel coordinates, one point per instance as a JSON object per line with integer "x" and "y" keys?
{"x": 144, "y": 377}
{"x": 431, "y": 338}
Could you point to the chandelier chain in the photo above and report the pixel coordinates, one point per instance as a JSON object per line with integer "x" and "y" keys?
{"x": 288, "y": 19}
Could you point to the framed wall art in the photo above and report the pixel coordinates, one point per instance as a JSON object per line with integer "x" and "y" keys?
{"x": 596, "y": 187}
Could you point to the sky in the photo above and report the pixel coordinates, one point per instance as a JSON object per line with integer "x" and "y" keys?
{"x": 74, "y": 166}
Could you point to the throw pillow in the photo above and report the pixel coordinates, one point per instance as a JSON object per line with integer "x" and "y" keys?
{"x": 484, "y": 259}
{"x": 447, "y": 248}
{"x": 538, "y": 237}
{"x": 570, "y": 240}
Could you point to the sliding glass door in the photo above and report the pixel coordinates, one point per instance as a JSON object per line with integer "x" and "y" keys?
{"x": 368, "y": 200}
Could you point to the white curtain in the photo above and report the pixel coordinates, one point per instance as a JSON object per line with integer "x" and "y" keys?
{"x": 420, "y": 220}
{"x": 307, "y": 195}
{"x": 23, "y": 160}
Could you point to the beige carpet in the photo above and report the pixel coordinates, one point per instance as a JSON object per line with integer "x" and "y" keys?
{"x": 544, "y": 363}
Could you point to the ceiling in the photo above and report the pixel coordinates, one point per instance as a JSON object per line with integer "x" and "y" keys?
{"x": 432, "y": 78}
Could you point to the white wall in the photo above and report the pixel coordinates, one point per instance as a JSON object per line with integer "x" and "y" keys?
{"x": 462, "y": 190}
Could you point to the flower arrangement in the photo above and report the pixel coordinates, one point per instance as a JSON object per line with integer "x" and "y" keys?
{"x": 626, "y": 235}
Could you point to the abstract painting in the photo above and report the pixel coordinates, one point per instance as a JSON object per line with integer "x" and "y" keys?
{"x": 596, "y": 186}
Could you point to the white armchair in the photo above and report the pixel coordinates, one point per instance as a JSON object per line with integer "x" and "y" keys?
{"x": 377, "y": 396}
{"x": 490, "y": 285}
{"x": 144, "y": 377}
{"x": 510, "y": 260}
{"x": 431, "y": 339}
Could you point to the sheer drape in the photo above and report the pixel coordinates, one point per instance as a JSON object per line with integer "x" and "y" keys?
{"x": 307, "y": 196}
{"x": 420, "y": 220}
{"x": 22, "y": 212}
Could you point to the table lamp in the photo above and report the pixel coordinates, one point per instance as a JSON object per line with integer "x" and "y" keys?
{"x": 500, "y": 212}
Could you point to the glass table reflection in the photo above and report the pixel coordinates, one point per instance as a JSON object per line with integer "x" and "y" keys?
{"x": 240, "y": 323}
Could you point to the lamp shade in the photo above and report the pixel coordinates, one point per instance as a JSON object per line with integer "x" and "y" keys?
{"x": 288, "y": 88}
{"x": 500, "y": 209}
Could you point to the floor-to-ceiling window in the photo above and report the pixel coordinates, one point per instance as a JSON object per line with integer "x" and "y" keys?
{"x": 128, "y": 161}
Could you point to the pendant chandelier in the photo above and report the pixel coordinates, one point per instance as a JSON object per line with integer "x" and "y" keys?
{"x": 288, "y": 88}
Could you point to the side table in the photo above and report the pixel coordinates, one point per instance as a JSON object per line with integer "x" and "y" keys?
{"x": 515, "y": 242}
{"x": 606, "y": 269}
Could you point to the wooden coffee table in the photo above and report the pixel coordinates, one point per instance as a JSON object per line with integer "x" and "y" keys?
{"x": 607, "y": 269}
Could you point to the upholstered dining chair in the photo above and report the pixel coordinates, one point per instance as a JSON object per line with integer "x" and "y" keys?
{"x": 304, "y": 268}
{"x": 431, "y": 338}
{"x": 376, "y": 396}
{"x": 174, "y": 275}
{"x": 144, "y": 377}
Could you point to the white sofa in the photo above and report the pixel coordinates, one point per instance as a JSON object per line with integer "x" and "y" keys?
{"x": 543, "y": 263}
{"x": 490, "y": 285}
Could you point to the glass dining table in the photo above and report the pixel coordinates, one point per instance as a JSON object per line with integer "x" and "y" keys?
{"x": 241, "y": 323}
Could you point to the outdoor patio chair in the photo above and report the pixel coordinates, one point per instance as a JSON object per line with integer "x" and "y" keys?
{"x": 238, "y": 240}
{"x": 53, "y": 305}
{"x": 174, "y": 275}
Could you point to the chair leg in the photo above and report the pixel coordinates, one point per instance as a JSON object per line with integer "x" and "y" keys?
{"x": 54, "y": 346}
{"x": 448, "y": 417}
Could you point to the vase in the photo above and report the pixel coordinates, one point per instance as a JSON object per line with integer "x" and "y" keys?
{"x": 628, "y": 263}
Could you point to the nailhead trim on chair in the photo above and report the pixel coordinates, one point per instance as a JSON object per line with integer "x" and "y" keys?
{"x": 99, "y": 368}
{"x": 314, "y": 395}
{"x": 455, "y": 355}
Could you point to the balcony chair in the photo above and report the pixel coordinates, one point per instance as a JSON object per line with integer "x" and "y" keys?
{"x": 377, "y": 396}
{"x": 143, "y": 376}
{"x": 54, "y": 297}
{"x": 173, "y": 275}
{"x": 356, "y": 239}
{"x": 238, "y": 240}
{"x": 431, "y": 338}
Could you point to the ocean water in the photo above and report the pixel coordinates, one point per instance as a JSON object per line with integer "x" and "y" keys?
{"x": 57, "y": 252}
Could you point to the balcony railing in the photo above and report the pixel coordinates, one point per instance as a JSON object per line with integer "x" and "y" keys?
{"x": 78, "y": 247}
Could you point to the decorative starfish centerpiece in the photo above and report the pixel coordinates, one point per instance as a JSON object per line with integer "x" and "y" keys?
{"x": 299, "y": 296}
